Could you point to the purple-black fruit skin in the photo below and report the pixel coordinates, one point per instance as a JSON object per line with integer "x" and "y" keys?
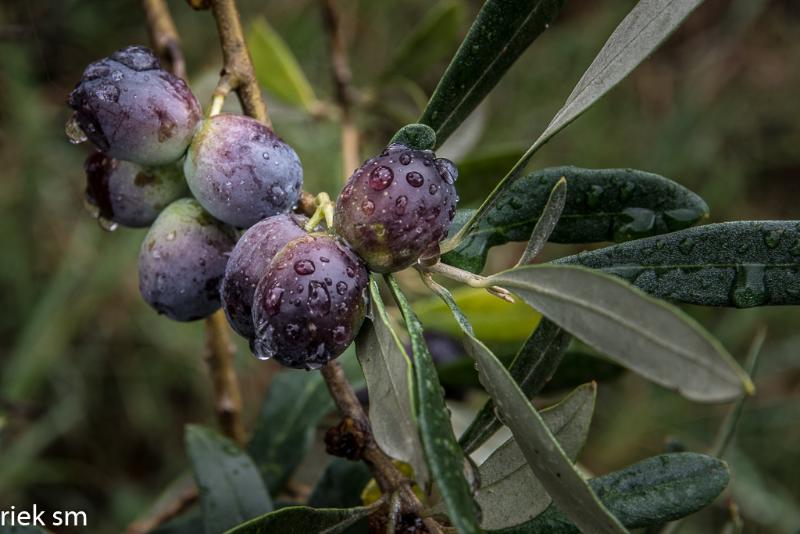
{"x": 182, "y": 261}
{"x": 133, "y": 110}
{"x": 311, "y": 303}
{"x": 248, "y": 263}
{"x": 396, "y": 207}
{"x": 129, "y": 194}
{"x": 240, "y": 171}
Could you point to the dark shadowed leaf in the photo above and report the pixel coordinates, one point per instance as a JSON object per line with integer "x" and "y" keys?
{"x": 502, "y": 31}
{"x": 742, "y": 264}
{"x": 510, "y": 493}
{"x": 390, "y": 382}
{"x": 276, "y": 67}
{"x": 648, "y": 493}
{"x": 545, "y": 456}
{"x": 647, "y": 335}
{"x": 444, "y": 457}
{"x": 230, "y": 486}
{"x": 532, "y": 367}
{"x": 340, "y": 485}
{"x": 601, "y": 205}
{"x": 416, "y": 136}
{"x": 304, "y": 520}
{"x": 432, "y": 40}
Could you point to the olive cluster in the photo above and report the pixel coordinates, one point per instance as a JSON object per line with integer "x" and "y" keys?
{"x": 218, "y": 194}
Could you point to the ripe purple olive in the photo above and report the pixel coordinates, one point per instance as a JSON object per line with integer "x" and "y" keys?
{"x": 133, "y": 110}
{"x": 311, "y": 303}
{"x": 397, "y": 207}
{"x": 241, "y": 172}
{"x": 248, "y": 263}
{"x": 125, "y": 193}
{"x": 182, "y": 261}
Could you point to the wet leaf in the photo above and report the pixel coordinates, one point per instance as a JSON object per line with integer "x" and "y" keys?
{"x": 416, "y": 136}
{"x": 742, "y": 264}
{"x": 390, "y": 382}
{"x": 601, "y": 205}
{"x": 502, "y": 31}
{"x": 510, "y": 493}
{"x": 547, "y": 222}
{"x": 304, "y": 520}
{"x": 230, "y": 486}
{"x": 649, "y": 336}
{"x": 444, "y": 457}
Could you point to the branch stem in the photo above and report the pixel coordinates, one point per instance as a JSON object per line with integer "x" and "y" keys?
{"x": 227, "y": 397}
{"x": 238, "y": 67}
{"x": 164, "y": 36}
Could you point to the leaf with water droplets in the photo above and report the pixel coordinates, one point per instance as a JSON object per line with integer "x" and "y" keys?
{"x": 510, "y": 493}
{"x": 545, "y": 456}
{"x": 444, "y": 457}
{"x": 304, "y": 520}
{"x": 416, "y": 136}
{"x": 649, "y": 336}
{"x": 742, "y": 264}
{"x": 502, "y": 31}
{"x": 230, "y": 486}
{"x": 390, "y": 383}
{"x": 601, "y": 205}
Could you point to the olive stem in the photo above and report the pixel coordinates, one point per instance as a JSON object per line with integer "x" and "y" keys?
{"x": 343, "y": 91}
{"x": 465, "y": 277}
{"x": 164, "y": 36}
{"x": 238, "y": 67}
{"x": 228, "y": 398}
{"x": 323, "y": 209}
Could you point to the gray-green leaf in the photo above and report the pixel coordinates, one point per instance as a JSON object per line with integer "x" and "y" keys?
{"x": 532, "y": 368}
{"x": 444, "y": 457}
{"x": 390, "y": 382}
{"x": 647, "y": 335}
{"x": 742, "y": 264}
{"x": 304, "y": 520}
{"x": 510, "y": 493}
{"x": 547, "y": 222}
{"x": 230, "y": 486}
{"x": 502, "y": 31}
{"x": 601, "y": 205}
{"x": 651, "y": 492}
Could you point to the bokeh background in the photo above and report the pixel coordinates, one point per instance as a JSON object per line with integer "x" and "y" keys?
{"x": 95, "y": 388}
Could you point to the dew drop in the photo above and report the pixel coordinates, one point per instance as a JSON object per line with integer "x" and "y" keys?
{"x": 593, "y": 195}
{"x": 304, "y": 267}
{"x": 107, "y": 224}
{"x": 340, "y": 334}
{"x": 319, "y": 300}
{"x": 323, "y": 259}
{"x": 350, "y": 272}
{"x": 415, "y": 179}
{"x": 773, "y": 237}
{"x": 368, "y": 207}
{"x": 400, "y": 205}
{"x": 447, "y": 170}
{"x": 748, "y": 288}
{"x": 274, "y": 298}
{"x": 341, "y": 287}
{"x": 292, "y": 330}
{"x": 433, "y": 189}
{"x": 380, "y": 178}
{"x": 265, "y": 155}
{"x": 171, "y": 236}
{"x": 405, "y": 158}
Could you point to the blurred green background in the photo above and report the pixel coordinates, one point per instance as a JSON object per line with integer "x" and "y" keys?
{"x": 95, "y": 388}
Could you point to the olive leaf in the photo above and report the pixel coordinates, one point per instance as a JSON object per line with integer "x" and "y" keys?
{"x": 647, "y": 25}
{"x": 502, "y": 31}
{"x": 509, "y": 493}
{"x": 444, "y": 457}
{"x": 649, "y": 336}
{"x": 304, "y": 520}
{"x": 277, "y": 68}
{"x": 545, "y": 456}
{"x": 230, "y": 486}
{"x": 742, "y": 264}
{"x": 390, "y": 383}
{"x": 533, "y": 366}
{"x": 648, "y": 493}
{"x": 416, "y": 136}
{"x": 340, "y": 485}
{"x": 601, "y": 205}
{"x": 547, "y": 222}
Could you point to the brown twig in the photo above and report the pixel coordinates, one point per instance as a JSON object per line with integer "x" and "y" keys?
{"x": 164, "y": 36}
{"x": 237, "y": 71}
{"x": 389, "y": 479}
{"x": 342, "y": 89}
{"x": 227, "y": 398}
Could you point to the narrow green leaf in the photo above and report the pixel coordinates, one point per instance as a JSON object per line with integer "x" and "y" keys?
{"x": 276, "y": 67}
{"x": 230, "y": 486}
{"x": 444, "y": 457}
{"x": 416, "y": 136}
{"x": 502, "y": 31}
{"x": 532, "y": 368}
{"x": 430, "y": 41}
{"x": 636, "y": 37}
{"x": 304, "y": 520}
{"x": 510, "y": 493}
{"x": 742, "y": 264}
{"x": 647, "y": 335}
{"x": 545, "y": 456}
{"x": 648, "y": 493}
{"x": 547, "y": 222}
{"x": 390, "y": 382}
{"x": 601, "y": 205}
{"x": 340, "y": 485}
{"x": 293, "y": 407}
